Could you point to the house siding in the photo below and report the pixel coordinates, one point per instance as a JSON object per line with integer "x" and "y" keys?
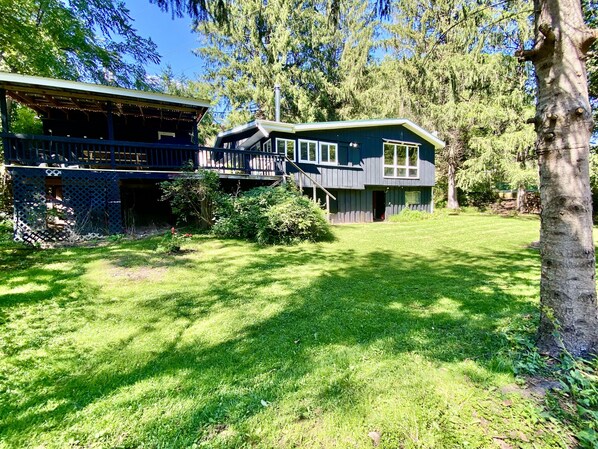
{"x": 356, "y": 206}
{"x": 362, "y": 166}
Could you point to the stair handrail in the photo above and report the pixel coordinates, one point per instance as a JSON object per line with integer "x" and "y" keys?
{"x": 310, "y": 178}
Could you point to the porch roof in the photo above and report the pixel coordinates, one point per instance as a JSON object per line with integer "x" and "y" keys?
{"x": 44, "y": 94}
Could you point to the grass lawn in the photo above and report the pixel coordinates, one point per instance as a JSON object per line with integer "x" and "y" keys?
{"x": 394, "y": 328}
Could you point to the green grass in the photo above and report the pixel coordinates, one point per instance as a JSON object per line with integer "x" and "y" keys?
{"x": 395, "y": 328}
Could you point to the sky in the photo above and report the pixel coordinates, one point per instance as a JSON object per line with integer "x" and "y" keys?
{"x": 173, "y": 36}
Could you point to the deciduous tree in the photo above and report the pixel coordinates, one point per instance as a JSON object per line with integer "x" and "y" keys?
{"x": 74, "y": 39}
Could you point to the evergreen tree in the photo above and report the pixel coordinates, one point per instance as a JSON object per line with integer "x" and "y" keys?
{"x": 447, "y": 75}
{"x": 318, "y": 65}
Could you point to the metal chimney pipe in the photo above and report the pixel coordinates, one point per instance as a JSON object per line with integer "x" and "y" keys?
{"x": 277, "y": 102}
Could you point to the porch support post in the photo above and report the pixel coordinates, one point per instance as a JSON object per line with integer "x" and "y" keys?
{"x": 315, "y": 198}
{"x": 5, "y": 122}
{"x": 110, "y": 123}
{"x": 195, "y": 138}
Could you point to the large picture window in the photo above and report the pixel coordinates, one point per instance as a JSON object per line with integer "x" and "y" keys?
{"x": 286, "y": 146}
{"x": 308, "y": 151}
{"x": 328, "y": 153}
{"x": 401, "y": 160}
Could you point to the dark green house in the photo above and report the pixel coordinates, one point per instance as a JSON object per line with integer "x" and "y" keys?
{"x": 365, "y": 170}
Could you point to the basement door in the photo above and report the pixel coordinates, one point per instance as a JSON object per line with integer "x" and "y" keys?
{"x": 379, "y": 204}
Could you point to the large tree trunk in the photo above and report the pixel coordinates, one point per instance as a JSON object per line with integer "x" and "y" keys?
{"x": 452, "y": 201}
{"x": 569, "y": 315}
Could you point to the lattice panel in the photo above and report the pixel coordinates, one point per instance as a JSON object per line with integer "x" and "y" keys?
{"x": 90, "y": 206}
{"x": 29, "y": 204}
{"x": 87, "y": 197}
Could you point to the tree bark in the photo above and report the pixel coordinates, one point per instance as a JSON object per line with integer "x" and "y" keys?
{"x": 521, "y": 199}
{"x": 453, "y": 200}
{"x": 569, "y": 309}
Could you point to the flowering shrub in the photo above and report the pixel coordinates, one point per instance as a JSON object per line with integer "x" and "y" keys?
{"x": 172, "y": 241}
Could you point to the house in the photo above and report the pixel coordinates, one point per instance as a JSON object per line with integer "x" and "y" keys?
{"x": 364, "y": 170}
{"x": 96, "y": 166}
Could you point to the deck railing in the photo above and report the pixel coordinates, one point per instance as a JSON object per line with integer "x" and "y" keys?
{"x": 34, "y": 150}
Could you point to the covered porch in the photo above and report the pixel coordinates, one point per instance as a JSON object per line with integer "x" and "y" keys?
{"x": 91, "y": 126}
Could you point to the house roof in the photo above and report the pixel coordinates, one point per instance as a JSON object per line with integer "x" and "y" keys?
{"x": 262, "y": 128}
{"x": 41, "y": 94}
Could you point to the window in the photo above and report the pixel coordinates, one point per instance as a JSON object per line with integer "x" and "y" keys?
{"x": 308, "y": 151}
{"x": 268, "y": 146}
{"x": 286, "y": 146}
{"x": 413, "y": 197}
{"x": 401, "y": 160}
{"x": 256, "y": 147}
{"x": 328, "y": 153}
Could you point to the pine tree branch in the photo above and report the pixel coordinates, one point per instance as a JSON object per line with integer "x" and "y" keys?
{"x": 469, "y": 16}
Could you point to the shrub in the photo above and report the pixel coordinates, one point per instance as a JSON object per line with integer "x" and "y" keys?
{"x": 270, "y": 216}
{"x": 480, "y": 199}
{"x": 295, "y": 219}
{"x": 410, "y": 215}
{"x": 192, "y": 196}
{"x": 243, "y": 215}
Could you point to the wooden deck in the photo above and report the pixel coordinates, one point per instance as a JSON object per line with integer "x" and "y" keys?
{"x": 67, "y": 152}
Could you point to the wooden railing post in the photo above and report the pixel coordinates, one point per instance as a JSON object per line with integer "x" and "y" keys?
{"x": 112, "y": 157}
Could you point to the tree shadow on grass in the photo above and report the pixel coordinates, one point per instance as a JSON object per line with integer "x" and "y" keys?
{"x": 443, "y": 309}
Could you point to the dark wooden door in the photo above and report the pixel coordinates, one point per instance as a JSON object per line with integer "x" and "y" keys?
{"x": 379, "y": 203}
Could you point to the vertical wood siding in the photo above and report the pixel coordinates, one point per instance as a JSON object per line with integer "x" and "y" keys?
{"x": 363, "y": 166}
{"x": 356, "y": 206}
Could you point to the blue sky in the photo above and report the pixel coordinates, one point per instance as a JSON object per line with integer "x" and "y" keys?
{"x": 173, "y": 36}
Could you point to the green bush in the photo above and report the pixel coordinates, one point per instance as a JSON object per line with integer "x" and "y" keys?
{"x": 295, "y": 219}
{"x": 279, "y": 215}
{"x": 407, "y": 215}
{"x": 410, "y": 215}
{"x": 191, "y": 196}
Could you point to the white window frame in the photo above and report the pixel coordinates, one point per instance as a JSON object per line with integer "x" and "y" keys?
{"x": 330, "y": 144}
{"x": 268, "y": 146}
{"x": 396, "y": 166}
{"x": 299, "y": 151}
{"x": 284, "y": 142}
